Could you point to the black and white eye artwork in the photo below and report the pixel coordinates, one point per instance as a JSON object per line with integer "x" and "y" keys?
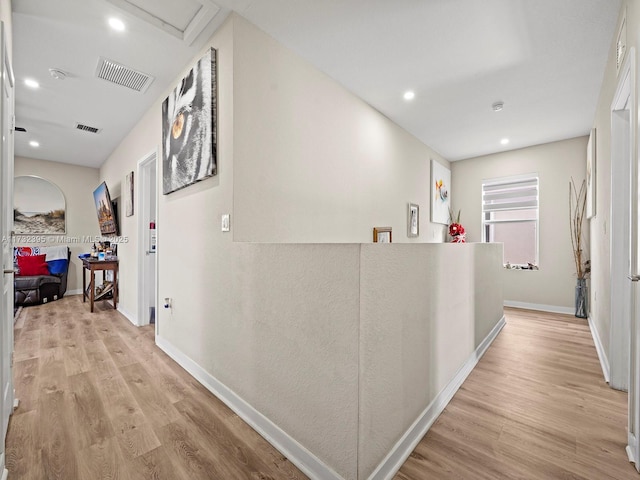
{"x": 189, "y": 127}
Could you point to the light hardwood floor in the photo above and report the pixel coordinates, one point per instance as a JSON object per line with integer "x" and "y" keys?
{"x": 98, "y": 400}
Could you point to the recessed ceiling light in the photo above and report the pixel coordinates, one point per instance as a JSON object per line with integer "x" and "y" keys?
{"x": 498, "y": 106}
{"x": 116, "y": 24}
{"x": 504, "y": 141}
{"x": 409, "y": 95}
{"x": 31, "y": 83}
{"x": 57, "y": 73}
{"x": 34, "y": 144}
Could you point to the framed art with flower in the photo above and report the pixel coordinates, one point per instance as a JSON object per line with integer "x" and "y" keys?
{"x": 440, "y": 193}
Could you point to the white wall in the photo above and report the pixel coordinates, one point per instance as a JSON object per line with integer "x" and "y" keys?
{"x": 314, "y": 163}
{"x": 77, "y": 185}
{"x": 555, "y": 163}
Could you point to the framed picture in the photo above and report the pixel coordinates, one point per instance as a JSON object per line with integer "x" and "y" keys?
{"x": 382, "y": 234}
{"x": 39, "y": 207}
{"x": 128, "y": 194}
{"x": 106, "y": 211}
{"x": 413, "y": 220}
{"x": 189, "y": 133}
{"x": 440, "y": 193}
{"x": 591, "y": 174}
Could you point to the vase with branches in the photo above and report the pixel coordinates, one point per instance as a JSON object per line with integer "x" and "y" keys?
{"x": 577, "y": 212}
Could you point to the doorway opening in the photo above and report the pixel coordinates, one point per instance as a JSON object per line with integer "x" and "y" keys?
{"x": 147, "y": 244}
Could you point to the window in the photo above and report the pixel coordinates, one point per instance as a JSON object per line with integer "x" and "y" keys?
{"x": 510, "y": 216}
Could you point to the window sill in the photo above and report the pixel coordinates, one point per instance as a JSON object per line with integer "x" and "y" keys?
{"x": 526, "y": 268}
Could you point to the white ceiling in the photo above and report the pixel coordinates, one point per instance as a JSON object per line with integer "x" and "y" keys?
{"x": 544, "y": 58}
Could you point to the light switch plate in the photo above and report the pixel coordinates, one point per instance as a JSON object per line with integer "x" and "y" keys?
{"x": 226, "y": 222}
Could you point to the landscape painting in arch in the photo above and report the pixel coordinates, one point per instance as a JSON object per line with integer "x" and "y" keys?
{"x": 440, "y": 193}
{"x": 39, "y": 207}
{"x": 189, "y": 120}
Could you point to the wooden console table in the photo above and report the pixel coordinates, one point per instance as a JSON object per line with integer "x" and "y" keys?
{"x": 93, "y": 264}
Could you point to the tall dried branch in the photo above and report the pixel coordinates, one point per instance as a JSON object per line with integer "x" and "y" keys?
{"x": 577, "y": 212}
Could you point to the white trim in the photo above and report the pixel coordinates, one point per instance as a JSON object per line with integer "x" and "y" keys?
{"x": 73, "y": 292}
{"x": 604, "y": 361}
{"x": 302, "y": 458}
{"x": 540, "y": 307}
{"x": 129, "y": 316}
{"x": 142, "y": 206}
{"x": 5, "y": 472}
{"x": 401, "y": 450}
{"x": 631, "y": 446}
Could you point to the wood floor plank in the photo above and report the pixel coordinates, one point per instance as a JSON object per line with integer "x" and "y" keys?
{"x": 120, "y": 352}
{"x": 156, "y": 407}
{"x": 101, "y": 361}
{"x": 22, "y": 456}
{"x": 218, "y": 435}
{"x": 191, "y": 459}
{"x": 25, "y": 379}
{"x": 171, "y": 382}
{"x": 103, "y": 461}
{"x": 154, "y": 465}
{"x": 134, "y": 434}
{"x": 27, "y": 345}
{"x": 90, "y": 422}
{"x": 55, "y": 437}
{"x": 75, "y": 358}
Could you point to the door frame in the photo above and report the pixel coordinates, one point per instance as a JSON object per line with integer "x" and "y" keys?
{"x": 628, "y": 76}
{"x": 7, "y": 126}
{"x": 619, "y": 241}
{"x": 143, "y": 179}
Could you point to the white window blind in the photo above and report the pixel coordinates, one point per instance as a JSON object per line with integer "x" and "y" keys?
{"x": 510, "y": 216}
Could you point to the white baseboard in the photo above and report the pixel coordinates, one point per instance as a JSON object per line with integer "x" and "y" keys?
{"x": 540, "y": 307}
{"x": 302, "y": 458}
{"x": 5, "y": 473}
{"x": 73, "y": 292}
{"x": 132, "y": 318}
{"x": 604, "y": 361}
{"x": 631, "y": 447}
{"x": 401, "y": 451}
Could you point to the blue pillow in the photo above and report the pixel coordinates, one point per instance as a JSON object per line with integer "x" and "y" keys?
{"x": 56, "y": 267}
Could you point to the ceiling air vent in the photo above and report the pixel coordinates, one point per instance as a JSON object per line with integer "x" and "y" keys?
{"x": 86, "y": 128}
{"x": 121, "y": 75}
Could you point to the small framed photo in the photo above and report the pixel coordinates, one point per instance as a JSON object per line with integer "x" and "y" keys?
{"x": 413, "y": 220}
{"x": 382, "y": 234}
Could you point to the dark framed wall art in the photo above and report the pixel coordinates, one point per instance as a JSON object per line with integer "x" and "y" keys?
{"x": 189, "y": 121}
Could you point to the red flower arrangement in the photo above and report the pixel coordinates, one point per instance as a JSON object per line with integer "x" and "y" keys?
{"x": 455, "y": 229}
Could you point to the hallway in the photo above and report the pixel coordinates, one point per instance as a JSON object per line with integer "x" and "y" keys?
{"x": 535, "y": 407}
{"x": 99, "y": 400}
